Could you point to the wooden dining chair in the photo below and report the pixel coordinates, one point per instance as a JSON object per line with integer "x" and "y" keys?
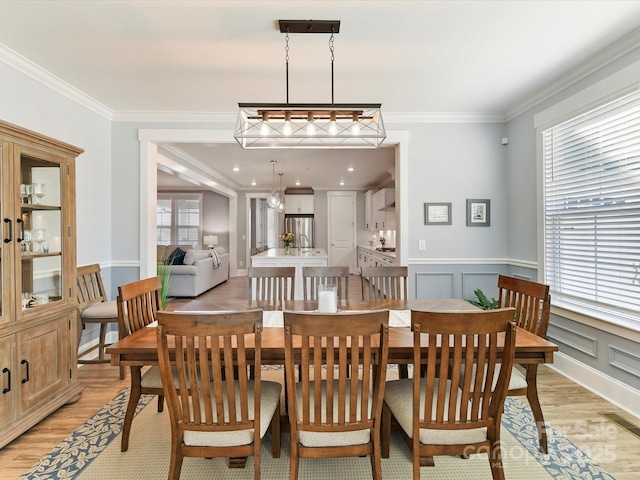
{"x": 384, "y": 282}
{"x": 314, "y": 276}
{"x": 221, "y": 417}
{"x": 138, "y": 303}
{"x": 532, "y": 304}
{"x": 333, "y": 414}
{"x": 441, "y": 410}
{"x": 272, "y": 283}
{"x": 95, "y": 308}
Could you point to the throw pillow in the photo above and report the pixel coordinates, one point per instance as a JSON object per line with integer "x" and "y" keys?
{"x": 176, "y": 257}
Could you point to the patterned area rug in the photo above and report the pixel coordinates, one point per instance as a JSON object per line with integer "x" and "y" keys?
{"x": 93, "y": 452}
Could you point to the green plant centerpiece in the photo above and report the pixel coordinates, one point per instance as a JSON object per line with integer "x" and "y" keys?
{"x": 164, "y": 272}
{"x": 482, "y": 301}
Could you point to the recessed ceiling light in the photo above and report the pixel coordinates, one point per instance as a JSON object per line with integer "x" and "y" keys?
{"x": 298, "y": 182}
{"x": 236, "y": 169}
{"x": 253, "y": 183}
{"x": 341, "y": 183}
{"x": 350, "y": 169}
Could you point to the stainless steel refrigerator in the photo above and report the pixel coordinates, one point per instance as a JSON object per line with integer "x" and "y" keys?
{"x": 303, "y": 229}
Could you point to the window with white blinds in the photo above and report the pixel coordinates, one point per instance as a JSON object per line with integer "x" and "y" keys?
{"x": 592, "y": 208}
{"x": 178, "y": 219}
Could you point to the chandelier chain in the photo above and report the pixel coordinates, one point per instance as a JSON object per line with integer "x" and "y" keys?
{"x": 286, "y": 58}
{"x": 331, "y": 49}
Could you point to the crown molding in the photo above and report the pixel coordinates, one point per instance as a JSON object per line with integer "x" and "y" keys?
{"x": 30, "y": 69}
{"x": 601, "y": 59}
{"x": 192, "y": 117}
{"x": 443, "y": 117}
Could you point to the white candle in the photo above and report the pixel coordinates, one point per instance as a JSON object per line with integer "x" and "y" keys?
{"x": 327, "y": 301}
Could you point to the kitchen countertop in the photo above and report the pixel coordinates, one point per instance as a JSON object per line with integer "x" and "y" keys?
{"x": 373, "y": 250}
{"x": 303, "y": 253}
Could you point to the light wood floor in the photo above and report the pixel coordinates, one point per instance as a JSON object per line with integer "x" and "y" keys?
{"x": 567, "y": 406}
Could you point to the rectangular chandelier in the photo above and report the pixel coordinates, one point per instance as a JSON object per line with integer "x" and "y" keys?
{"x": 291, "y": 125}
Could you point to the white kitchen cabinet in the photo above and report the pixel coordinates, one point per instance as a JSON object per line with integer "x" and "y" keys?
{"x": 298, "y": 204}
{"x": 368, "y": 222}
{"x": 383, "y": 215}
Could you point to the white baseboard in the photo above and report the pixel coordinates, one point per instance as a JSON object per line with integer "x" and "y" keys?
{"x": 612, "y": 390}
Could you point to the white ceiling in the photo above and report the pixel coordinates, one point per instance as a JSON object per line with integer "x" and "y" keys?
{"x": 461, "y": 59}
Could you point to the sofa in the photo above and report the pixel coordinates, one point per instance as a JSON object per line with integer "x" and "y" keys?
{"x": 191, "y": 271}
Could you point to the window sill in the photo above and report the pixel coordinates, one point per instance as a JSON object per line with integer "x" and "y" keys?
{"x": 609, "y": 321}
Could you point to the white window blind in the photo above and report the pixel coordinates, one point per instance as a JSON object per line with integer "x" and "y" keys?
{"x": 592, "y": 208}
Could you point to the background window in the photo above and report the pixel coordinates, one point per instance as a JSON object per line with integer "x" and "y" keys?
{"x": 178, "y": 219}
{"x": 592, "y": 208}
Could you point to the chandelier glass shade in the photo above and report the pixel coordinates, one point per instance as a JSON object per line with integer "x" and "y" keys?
{"x": 286, "y": 125}
{"x": 273, "y": 200}
{"x": 309, "y": 125}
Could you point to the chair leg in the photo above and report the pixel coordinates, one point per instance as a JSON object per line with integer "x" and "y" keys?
{"x": 134, "y": 397}
{"x": 534, "y": 403}
{"x": 495, "y": 454}
{"x": 403, "y": 371}
{"x": 275, "y": 432}
{"x": 376, "y": 465}
{"x": 175, "y": 465}
{"x": 103, "y": 340}
{"x": 160, "y": 403}
{"x": 385, "y": 431}
{"x": 294, "y": 463}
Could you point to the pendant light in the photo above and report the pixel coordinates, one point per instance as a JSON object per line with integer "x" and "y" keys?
{"x": 273, "y": 200}
{"x": 280, "y": 207}
{"x": 309, "y": 125}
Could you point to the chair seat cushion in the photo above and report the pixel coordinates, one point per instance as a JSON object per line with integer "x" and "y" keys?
{"x": 101, "y": 310}
{"x": 517, "y": 380}
{"x": 269, "y": 402}
{"x": 332, "y": 439}
{"x": 398, "y": 396}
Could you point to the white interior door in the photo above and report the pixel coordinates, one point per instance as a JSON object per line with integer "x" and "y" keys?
{"x": 342, "y": 224}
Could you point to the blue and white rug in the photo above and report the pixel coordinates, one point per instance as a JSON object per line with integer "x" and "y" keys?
{"x": 93, "y": 452}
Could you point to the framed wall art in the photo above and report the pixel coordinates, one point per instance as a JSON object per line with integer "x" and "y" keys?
{"x": 478, "y": 212}
{"x": 437, "y": 213}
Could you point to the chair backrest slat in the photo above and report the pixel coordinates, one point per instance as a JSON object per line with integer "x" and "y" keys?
{"x": 271, "y": 284}
{"x": 531, "y": 301}
{"x": 384, "y": 282}
{"x": 312, "y": 277}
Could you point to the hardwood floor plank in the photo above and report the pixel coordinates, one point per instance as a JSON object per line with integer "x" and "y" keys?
{"x": 568, "y": 407}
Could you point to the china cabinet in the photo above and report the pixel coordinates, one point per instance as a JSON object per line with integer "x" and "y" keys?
{"x": 38, "y": 311}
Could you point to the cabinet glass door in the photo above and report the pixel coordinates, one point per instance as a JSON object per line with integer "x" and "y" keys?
{"x": 40, "y": 230}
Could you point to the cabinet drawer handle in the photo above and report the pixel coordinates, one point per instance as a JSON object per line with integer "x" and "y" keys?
{"x": 7, "y": 240}
{"x": 25, "y": 362}
{"x": 8, "y": 372}
{"x": 21, "y": 223}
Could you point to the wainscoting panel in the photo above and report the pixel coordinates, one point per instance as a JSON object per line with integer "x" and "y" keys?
{"x": 435, "y": 285}
{"x": 485, "y": 281}
{"x": 576, "y": 340}
{"x": 623, "y": 360}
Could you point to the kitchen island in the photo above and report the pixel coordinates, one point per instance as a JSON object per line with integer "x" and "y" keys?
{"x": 305, "y": 257}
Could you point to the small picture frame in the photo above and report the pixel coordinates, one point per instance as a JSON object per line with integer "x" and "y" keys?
{"x": 437, "y": 213}
{"x": 478, "y": 212}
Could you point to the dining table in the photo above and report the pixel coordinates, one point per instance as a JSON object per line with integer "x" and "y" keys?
{"x": 139, "y": 349}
